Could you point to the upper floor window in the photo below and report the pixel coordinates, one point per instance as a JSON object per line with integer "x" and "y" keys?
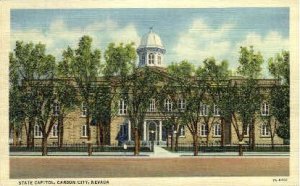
{"x": 151, "y": 58}
{"x": 181, "y": 104}
{"x": 216, "y": 110}
{"x": 56, "y": 109}
{"x": 217, "y": 130}
{"x": 55, "y": 130}
{"x": 168, "y": 105}
{"x": 204, "y": 109}
{"x": 122, "y": 107}
{"x": 159, "y": 59}
{"x": 181, "y": 130}
{"x": 152, "y": 107}
{"x": 265, "y": 130}
{"x": 84, "y": 130}
{"x": 37, "y": 131}
{"x": 203, "y": 130}
{"x": 83, "y": 110}
{"x": 265, "y": 109}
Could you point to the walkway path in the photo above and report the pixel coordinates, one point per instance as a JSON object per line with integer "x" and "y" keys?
{"x": 160, "y": 152}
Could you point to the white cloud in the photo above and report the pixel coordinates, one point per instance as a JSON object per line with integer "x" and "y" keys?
{"x": 58, "y": 36}
{"x": 201, "y": 41}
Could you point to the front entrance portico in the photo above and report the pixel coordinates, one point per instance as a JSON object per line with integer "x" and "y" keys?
{"x": 152, "y": 131}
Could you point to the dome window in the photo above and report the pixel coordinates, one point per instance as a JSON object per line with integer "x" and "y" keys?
{"x": 159, "y": 59}
{"x": 151, "y": 58}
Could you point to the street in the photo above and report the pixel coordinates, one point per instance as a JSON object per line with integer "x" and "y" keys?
{"x": 78, "y": 167}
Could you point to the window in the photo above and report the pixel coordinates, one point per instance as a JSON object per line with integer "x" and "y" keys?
{"x": 216, "y": 110}
{"x": 181, "y": 130}
{"x": 84, "y": 131}
{"x": 152, "y": 105}
{"x": 265, "y": 130}
{"x": 37, "y": 131}
{"x": 142, "y": 60}
{"x": 217, "y": 130}
{"x": 181, "y": 104}
{"x": 203, "y": 130}
{"x": 168, "y": 105}
{"x": 123, "y": 132}
{"x": 122, "y": 107}
{"x": 55, "y": 130}
{"x": 151, "y": 58}
{"x": 247, "y": 131}
{"x": 159, "y": 59}
{"x": 83, "y": 110}
{"x": 56, "y": 109}
{"x": 265, "y": 109}
{"x": 203, "y": 109}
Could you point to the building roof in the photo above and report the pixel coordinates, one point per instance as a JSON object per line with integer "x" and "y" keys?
{"x": 151, "y": 39}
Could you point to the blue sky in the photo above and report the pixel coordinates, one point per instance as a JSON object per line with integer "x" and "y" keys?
{"x": 191, "y": 34}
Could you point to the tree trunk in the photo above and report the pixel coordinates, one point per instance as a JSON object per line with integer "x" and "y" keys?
{"x": 44, "y": 145}
{"x": 60, "y": 131}
{"x": 207, "y": 138}
{"x": 167, "y": 137}
{"x": 98, "y": 134}
{"x": 195, "y": 144}
{"x": 136, "y": 142}
{"x": 176, "y": 141}
{"x": 172, "y": 140}
{"x": 272, "y": 142}
{"x": 240, "y": 150}
{"x": 89, "y": 135}
{"x": 222, "y": 132}
{"x": 253, "y": 135}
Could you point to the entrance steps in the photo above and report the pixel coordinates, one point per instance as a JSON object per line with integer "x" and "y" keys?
{"x": 160, "y": 152}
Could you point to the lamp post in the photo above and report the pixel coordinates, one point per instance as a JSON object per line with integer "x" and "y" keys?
{"x": 175, "y": 135}
{"x": 152, "y": 140}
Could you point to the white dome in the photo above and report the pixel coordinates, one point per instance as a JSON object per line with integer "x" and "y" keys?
{"x": 151, "y": 39}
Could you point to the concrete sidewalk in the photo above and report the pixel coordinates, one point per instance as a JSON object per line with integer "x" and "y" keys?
{"x": 159, "y": 152}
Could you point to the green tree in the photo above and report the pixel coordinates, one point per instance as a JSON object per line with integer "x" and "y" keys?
{"x": 85, "y": 69}
{"x": 216, "y": 77}
{"x": 279, "y": 67}
{"x": 250, "y": 68}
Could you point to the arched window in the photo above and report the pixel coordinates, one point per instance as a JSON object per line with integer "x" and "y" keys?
{"x": 265, "y": 130}
{"x": 37, "y": 131}
{"x": 203, "y": 130}
{"x": 168, "y": 105}
{"x": 217, "y": 130}
{"x": 216, "y": 110}
{"x": 265, "y": 109}
{"x": 84, "y": 131}
{"x": 151, "y": 58}
{"x": 204, "y": 109}
{"x": 159, "y": 59}
{"x": 55, "y": 130}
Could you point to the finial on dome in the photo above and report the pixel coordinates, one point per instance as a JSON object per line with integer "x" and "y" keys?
{"x": 150, "y": 29}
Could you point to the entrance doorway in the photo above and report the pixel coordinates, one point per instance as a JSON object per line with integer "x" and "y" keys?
{"x": 152, "y": 131}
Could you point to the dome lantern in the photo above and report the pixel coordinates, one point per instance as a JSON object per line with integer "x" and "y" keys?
{"x": 151, "y": 50}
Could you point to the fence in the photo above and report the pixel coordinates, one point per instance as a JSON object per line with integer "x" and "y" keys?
{"x": 80, "y": 148}
{"x": 232, "y": 148}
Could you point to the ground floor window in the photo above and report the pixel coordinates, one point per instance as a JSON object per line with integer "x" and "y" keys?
{"x": 181, "y": 131}
{"x": 265, "y": 130}
{"x": 37, "y": 131}
{"x": 123, "y": 133}
{"x": 217, "y": 130}
{"x": 84, "y": 131}
{"x": 55, "y": 130}
{"x": 203, "y": 130}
